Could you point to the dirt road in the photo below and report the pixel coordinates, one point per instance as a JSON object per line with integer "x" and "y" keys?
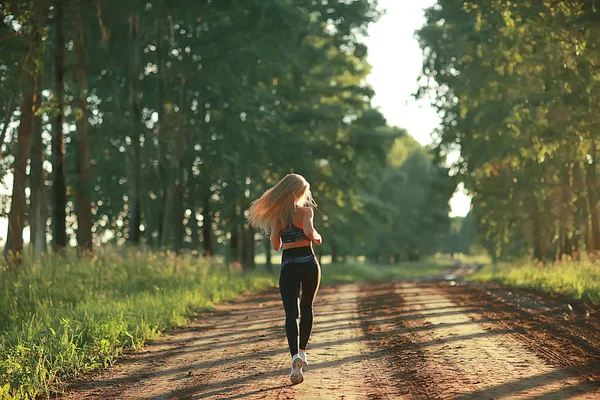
{"x": 373, "y": 341}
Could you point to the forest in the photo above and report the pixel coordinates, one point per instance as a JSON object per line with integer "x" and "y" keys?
{"x": 134, "y": 135}
{"x": 517, "y": 85}
{"x": 156, "y": 123}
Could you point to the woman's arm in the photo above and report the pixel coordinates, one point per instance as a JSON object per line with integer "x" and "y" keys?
{"x": 309, "y": 228}
{"x": 275, "y": 238}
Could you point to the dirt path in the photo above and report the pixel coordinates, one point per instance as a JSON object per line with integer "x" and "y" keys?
{"x": 377, "y": 341}
{"x": 239, "y": 351}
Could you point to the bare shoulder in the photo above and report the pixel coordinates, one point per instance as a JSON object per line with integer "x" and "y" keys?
{"x": 306, "y": 211}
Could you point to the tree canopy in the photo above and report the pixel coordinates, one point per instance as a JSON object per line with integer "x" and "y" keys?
{"x": 517, "y": 87}
{"x": 157, "y": 122}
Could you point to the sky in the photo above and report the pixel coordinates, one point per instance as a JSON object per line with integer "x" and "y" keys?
{"x": 396, "y": 60}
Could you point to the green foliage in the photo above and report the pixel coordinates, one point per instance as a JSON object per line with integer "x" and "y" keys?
{"x": 461, "y": 237}
{"x": 577, "y": 280}
{"x": 516, "y": 84}
{"x": 62, "y": 316}
{"x": 413, "y": 196}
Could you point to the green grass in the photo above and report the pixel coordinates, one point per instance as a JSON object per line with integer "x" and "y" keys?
{"x": 359, "y": 272}
{"x": 66, "y": 315}
{"x": 576, "y": 280}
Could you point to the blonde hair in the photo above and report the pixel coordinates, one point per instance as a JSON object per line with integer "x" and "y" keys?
{"x": 278, "y": 203}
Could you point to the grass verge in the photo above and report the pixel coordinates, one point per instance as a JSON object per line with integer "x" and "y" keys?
{"x": 357, "y": 272}
{"x": 66, "y": 315}
{"x": 576, "y": 280}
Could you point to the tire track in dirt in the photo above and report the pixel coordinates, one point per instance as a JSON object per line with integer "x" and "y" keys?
{"x": 564, "y": 335}
{"x": 239, "y": 351}
{"x": 449, "y": 351}
{"x": 373, "y": 341}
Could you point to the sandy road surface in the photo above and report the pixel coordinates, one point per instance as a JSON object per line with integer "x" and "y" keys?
{"x": 372, "y": 341}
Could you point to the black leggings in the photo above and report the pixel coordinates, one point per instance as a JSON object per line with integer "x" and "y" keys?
{"x": 299, "y": 268}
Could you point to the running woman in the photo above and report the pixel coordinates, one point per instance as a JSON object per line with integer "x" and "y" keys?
{"x": 286, "y": 212}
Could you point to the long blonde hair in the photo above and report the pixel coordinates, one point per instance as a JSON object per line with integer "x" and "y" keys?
{"x": 277, "y": 204}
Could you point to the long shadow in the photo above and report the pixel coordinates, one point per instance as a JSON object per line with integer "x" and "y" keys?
{"x": 420, "y": 371}
{"x": 510, "y": 315}
{"x": 282, "y": 319}
{"x": 262, "y": 391}
{"x": 267, "y": 353}
{"x": 278, "y": 328}
{"x": 278, "y": 333}
{"x": 221, "y": 387}
{"x": 523, "y": 384}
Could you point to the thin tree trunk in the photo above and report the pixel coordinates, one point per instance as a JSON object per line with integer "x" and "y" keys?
{"x": 179, "y": 177}
{"x": 592, "y": 190}
{"x": 159, "y": 132}
{"x": 207, "y": 226}
{"x": 135, "y": 214}
{"x": 16, "y": 217}
{"x": 539, "y": 252}
{"x": 178, "y": 216}
{"x": 37, "y": 176}
{"x": 268, "y": 262}
{"x": 59, "y": 187}
{"x": 581, "y": 209}
{"x": 334, "y": 252}
{"x": 239, "y": 243}
{"x": 84, "y": 213}
{"x": 10, "y": 109}
{"x": 249, "y": 253}
{"x": 167, "y": 231}
{"x": 193, "y": 222}
{"x": 566, "y": 216}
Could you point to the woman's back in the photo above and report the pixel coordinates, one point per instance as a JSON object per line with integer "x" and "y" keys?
{"x": 294, "y": 232}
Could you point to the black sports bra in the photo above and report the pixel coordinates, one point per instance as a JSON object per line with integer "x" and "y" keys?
{"x": 292, "y": 233}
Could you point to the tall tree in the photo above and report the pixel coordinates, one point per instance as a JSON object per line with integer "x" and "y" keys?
{"x": 37, "y": 176}
{"x": 59, "y": 186}
{"x": 84, "y": 213}
{"x": 135, "y": 212}
{"x": 16, "y": 218}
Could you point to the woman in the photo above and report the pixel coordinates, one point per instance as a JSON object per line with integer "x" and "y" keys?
{"x": 286, "y": 212}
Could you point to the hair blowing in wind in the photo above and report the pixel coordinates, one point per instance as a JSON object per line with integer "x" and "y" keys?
{"x": 277, "y": 204}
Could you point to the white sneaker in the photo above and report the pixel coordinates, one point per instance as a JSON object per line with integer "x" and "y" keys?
{"x": 302, "y": 356}
{"x": 296, "y": 376}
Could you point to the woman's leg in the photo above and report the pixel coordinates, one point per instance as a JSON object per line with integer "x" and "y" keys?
{"x": 310, "y": 285}
{"x": 289, "y": 287}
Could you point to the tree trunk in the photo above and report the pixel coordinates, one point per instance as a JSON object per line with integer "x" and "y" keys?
{"x": 167, "y": 231}
{"x": 207, "y": 239}
{"x": 37, "y": 176}
{"x": 10, "y": 109}
{"x": 334, "y": 252}
{"x": 178, "y": 216}
{"x": 193, "y": 222}
{"x": 239, "y": 243}
{"x": 180, "y": 176}
{"x": 581, "y": 209}
{"x": 159, "y": 132}
{"x": 539, "y": 252}
{"x": 268, "y": 262}
{"x": 249, "y": 260}
{"x": 135, "y": 214}
{"x": 234, "y": 243}
{"x": 566, "y": 215}
{"x": 59, "y": 187}
{"x": 594, "y": 206}
{"x": 16, "y": 217}
{"x": 84, "y": 213}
